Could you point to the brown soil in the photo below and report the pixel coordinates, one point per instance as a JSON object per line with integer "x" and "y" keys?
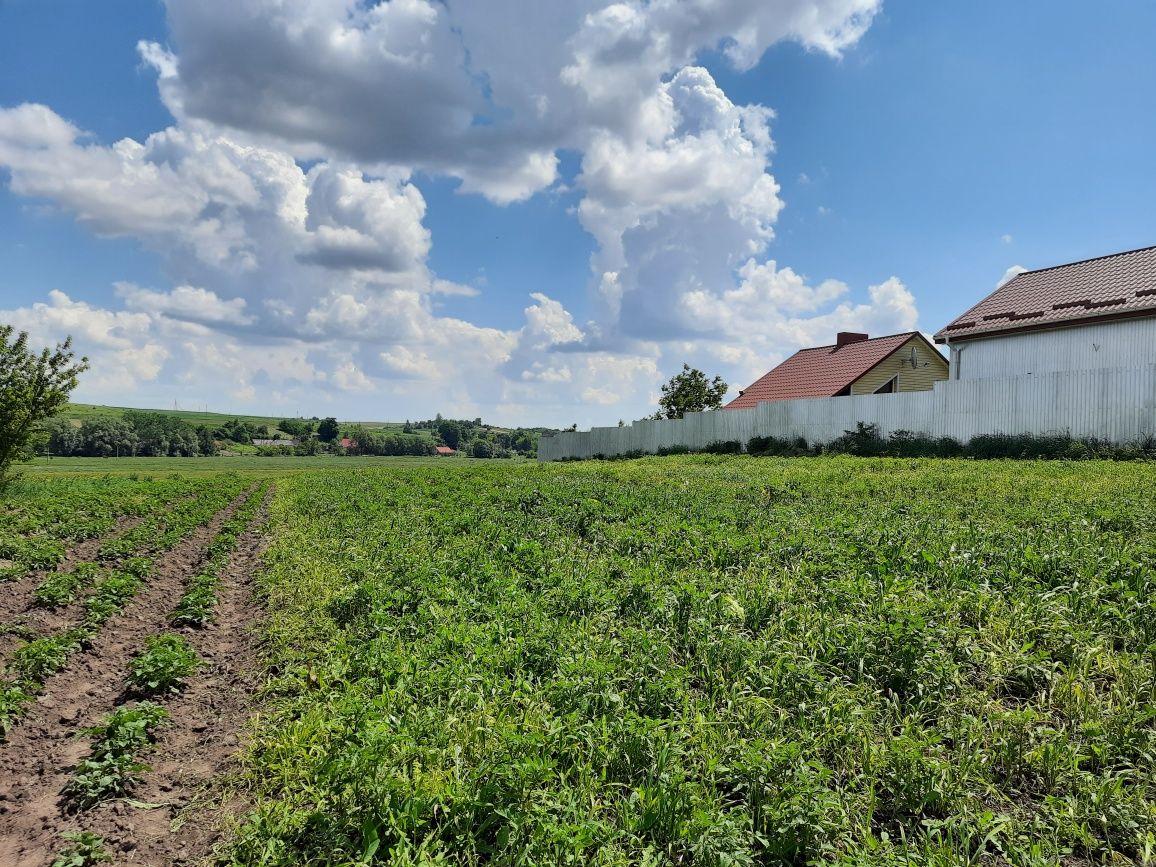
{"x": 16, "y": 602}
{"x": 43, "y": 747}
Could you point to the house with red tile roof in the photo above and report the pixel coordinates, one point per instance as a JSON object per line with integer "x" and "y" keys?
{"x": 1087, "y": 315}
{"x": 853, "y": 364}
{"x": 445, "y": 451}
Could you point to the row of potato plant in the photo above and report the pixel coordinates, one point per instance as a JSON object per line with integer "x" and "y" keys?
{"x": 115, "y": 766}
{"x": 195, "y": 607}
{"x": 712, "y": 661}
{"x": 40, "y": 518}
{"x": 112, "y": 588}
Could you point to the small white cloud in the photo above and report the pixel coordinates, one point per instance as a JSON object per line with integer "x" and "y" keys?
{"x": 803, "y": 179}
{"x": 1011, "y": 273}
{"x": 823, "y": 211}
{"x": 1007, "y": 239}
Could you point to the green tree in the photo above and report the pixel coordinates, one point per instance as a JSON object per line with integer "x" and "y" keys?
{"x": 33, "y": 386}
{"x": 296, "y": 427}
{"x": 105, "y": 437}
{"x": 690, "y": 391}
{"x": 327, "y": 430}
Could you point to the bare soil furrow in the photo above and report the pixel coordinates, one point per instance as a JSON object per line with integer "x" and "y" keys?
{"x": 16, "y": 603}
{"x": 43, "y": 747}
{"x": 204, "y": 736}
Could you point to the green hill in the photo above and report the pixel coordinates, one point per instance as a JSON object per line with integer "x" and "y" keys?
{"x": 82, "y": 411}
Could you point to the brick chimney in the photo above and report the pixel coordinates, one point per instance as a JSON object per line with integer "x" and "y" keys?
{"x": 843, "y": 338}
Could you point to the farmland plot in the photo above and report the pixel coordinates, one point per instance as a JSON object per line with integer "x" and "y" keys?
{"x": 699, "y": 660}
{"x": 710, "y": 661}
{"x": 86, "y": 698}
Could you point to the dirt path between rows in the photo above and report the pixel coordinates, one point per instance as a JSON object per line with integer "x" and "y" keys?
{"x": 43, "y": 747}
{"x": 203, "y": 739}
{"x": 16, "y": 597}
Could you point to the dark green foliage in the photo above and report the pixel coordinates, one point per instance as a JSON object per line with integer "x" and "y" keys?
{"x": 164, "y": 665}
{"x": 724, "y": 447}
{"x": 33, "y": 387}
{"x": 776, "y": 447}
{"x": 112, "y": 768}
{"x": 690, "y": 391}
{"x": 368, "y": 442}
{"x": 83, "y": 849}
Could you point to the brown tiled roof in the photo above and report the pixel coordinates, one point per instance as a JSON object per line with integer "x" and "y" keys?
{"x": 1123, "y": 284}
{"x": 820, "y": 372}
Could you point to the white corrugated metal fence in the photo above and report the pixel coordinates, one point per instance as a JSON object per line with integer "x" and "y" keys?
{"x": 1117, "y": 404}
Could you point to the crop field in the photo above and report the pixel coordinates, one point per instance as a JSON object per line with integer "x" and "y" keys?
{"x": 672, "y": 661}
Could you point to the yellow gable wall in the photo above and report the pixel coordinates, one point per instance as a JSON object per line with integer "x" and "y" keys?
{"x": 921, "y": 378}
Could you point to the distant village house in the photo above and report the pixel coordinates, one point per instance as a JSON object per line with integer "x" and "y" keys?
{"x": 853, "y": 364}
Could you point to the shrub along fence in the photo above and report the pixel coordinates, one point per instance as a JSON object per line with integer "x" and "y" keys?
{"x": 1093, "y": 407}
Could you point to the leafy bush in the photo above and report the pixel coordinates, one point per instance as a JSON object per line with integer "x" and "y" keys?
{"x": 864, "y": 442}
{"x": 770, "y": 446}
{"x": 724, "y": 447}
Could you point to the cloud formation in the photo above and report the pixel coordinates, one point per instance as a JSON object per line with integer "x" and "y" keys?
{"x": 286, "y": 203}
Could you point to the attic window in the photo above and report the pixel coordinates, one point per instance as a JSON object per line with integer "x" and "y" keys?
{"x": 889, "y": 387}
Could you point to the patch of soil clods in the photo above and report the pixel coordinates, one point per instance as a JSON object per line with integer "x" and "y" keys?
{"x": 42, "y": 748}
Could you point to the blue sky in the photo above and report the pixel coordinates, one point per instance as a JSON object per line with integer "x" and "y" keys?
{"x": 919, "y": 148}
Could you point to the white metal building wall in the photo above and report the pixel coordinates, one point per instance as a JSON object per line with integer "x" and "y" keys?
{"x": 1122, "y": 343}
{"x": 1117, "y": 404}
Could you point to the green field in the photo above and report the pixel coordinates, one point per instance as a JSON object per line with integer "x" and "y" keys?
{"x": 82, "y": 411}
{"x": 248, "y": 464}
{"x": 694, "y": 660}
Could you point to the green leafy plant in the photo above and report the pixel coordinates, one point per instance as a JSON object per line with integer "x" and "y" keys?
{"x": 112, "y": 768}
{"x": 61, "y": 588}
{"x": 164, "y": 665}
{"x": 83, "y": 849}
{"x": 37, "y": 659}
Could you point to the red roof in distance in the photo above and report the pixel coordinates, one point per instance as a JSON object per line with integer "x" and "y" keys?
{"x": 823, "y": 371}
{"x": 1123, "y": 284}
{"x": 445, "y": 450}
